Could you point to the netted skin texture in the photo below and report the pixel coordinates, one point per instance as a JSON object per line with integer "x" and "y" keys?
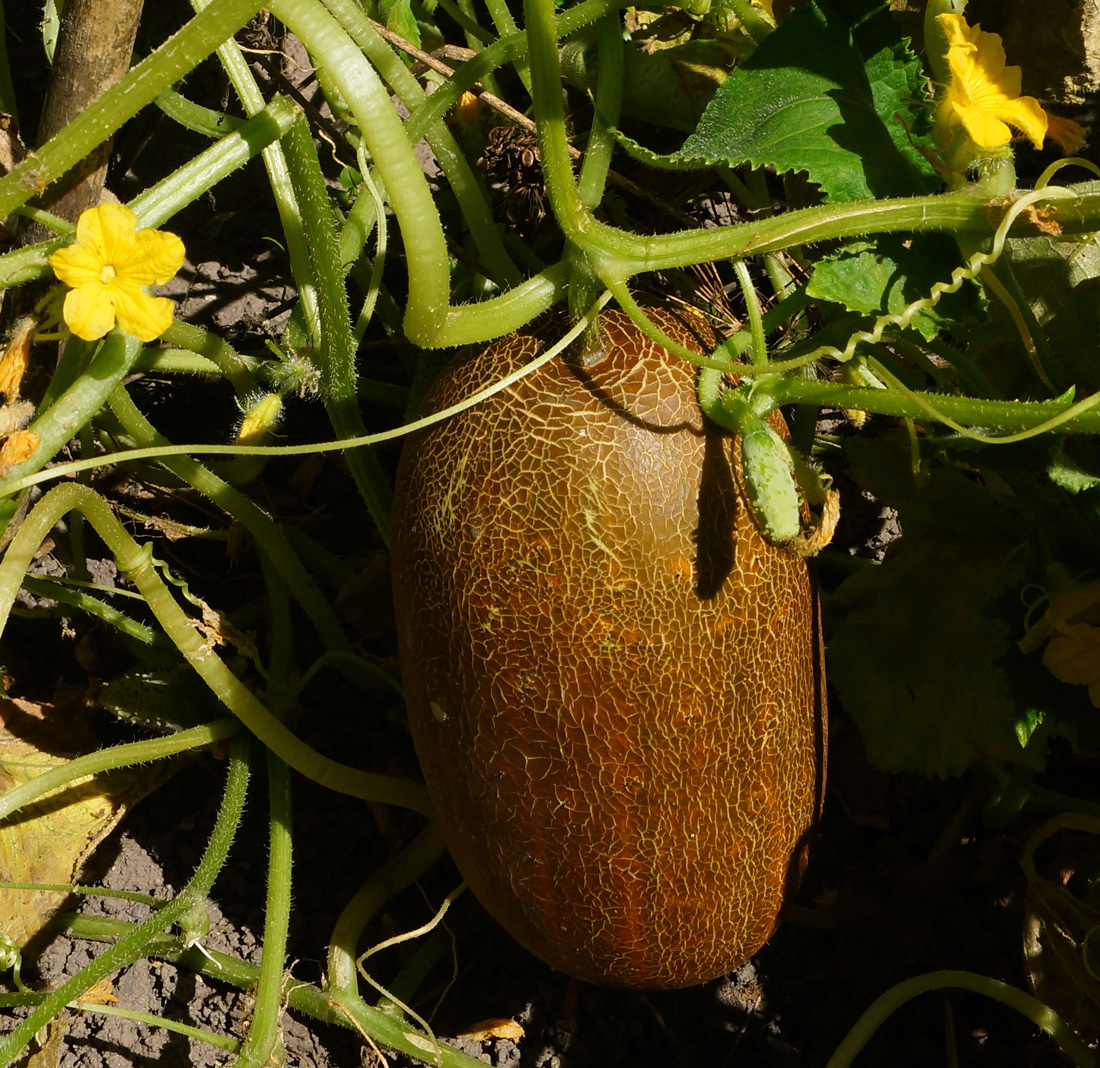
{"x": 614, "y": 682}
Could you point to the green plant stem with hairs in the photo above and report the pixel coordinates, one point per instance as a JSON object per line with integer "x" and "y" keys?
{"x": 117, "y": 756}
{"x": 612, "y": 255}
{"x": 343, "y": 1009}
{"x": 264, "y": 1036}
{"x": 335, "y": 344}
{"x": 492, "y": 254}
{"x": 238, "y": 506}
{"x": 138, "y": 564}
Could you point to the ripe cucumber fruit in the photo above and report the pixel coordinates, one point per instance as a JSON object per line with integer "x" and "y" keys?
{"x": 614, "y": 682}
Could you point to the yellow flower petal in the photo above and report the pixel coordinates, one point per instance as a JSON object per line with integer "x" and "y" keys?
{"x": 88, "y": 311}
{"x": 161, "y": 257}
{"x": 108, "y": 267}
{"x": 259, "y": 419}
{"x": 107, "y": 231}
{"x": 20, "y": 446}
{"x": 76, "y": 266}
{"x": 1069, "y": 134}
{"x": 984, "y": 94}
{"x": 1073, "y": 654}
{"x": 139, "y": 314}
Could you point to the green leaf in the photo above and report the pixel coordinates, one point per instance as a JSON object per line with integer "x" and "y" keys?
{"x": 888, "y": 273}
{"x": 401, "y": 20}
{"x": 1067, "y": 471}
{"x": 918, "y": 643}
{"x": 664, "y": 84}
{"x": 806, "y": 100}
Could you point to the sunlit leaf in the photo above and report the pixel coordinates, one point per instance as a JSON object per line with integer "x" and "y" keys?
{"x": 888, "y": 273}
{"x": 808, "y": 100}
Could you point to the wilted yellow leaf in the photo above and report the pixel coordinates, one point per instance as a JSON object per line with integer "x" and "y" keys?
{"x": 48, "y": 840}
{"x": 101, "y": 993}
{"x": 494, "y": 1028}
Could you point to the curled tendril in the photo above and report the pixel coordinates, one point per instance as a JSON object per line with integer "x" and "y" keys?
{"x": 1068, "y": 161}
{"x": 963, "y": 273}
{"x": 11, "y": 959}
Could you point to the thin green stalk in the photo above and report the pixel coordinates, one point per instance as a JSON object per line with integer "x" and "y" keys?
{"x": 195, "y": 117}
{"x": 429, "y": 951}
{"x": 397, "y": 1034}
{"x": 369, "y": 195}
{"x": 206, "y": 962}
{"x": 549, "y": 113}
{"x": 116, "y": 756}
{"x": 180, "y": 54}
{"x": 758, "y": 350}
{"x": 252, "y": 100}
{"x": 505, "y": 25}
{"x": 382, "y": 129}
{"x": 953, "y": 212}
{"x": 475, "y": 34}
{"x": 138, "y": 564}
{"x": 1007, "y": 416}
{"x": 1039, "y": 350}
{"x": 87, "y": 891}
{"x": 334, "y": 1007}
{"x": 1039, "y": 1013}
{"x": 609, "y": 102}
{"x": 175, "y": 362}
{"x": 77, "y": 598}
{"x": 77, "y": 568}
{"x": 510, "y": 49}
{"x": 111, "y": 361}
{"x": 363, "y": 667}
{"x": 230, "y": 1045}
{"x": 133, "y": 945}
{"x": 336, "y": 348}
{"x": 264, "y": 1030}
{"x": 157, "y": 204}
{"x": 238, "y": 369}
{"x": 241, "y": 508}
{"x": 468, "y": 191}
{"x": 408, "y": 866}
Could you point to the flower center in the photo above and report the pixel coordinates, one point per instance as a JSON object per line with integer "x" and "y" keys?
{"x": 107, "y": 274}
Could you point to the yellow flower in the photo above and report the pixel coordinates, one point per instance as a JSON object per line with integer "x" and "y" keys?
{"x": 984, "y": 94}
{"x": 108, "y": 269}
{"x": 1071, "y": 628}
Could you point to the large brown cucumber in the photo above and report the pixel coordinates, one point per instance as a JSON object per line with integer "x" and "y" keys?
{"x": 614, "y": 682}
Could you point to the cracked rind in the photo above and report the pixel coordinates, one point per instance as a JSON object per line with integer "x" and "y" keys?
{"x": 614, "y": 682}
